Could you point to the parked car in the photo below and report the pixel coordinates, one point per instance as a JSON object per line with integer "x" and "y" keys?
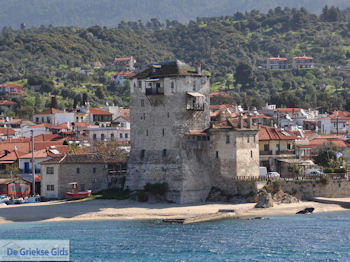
{"x": 314, "y": 172}
{"x": 273, "y": 175}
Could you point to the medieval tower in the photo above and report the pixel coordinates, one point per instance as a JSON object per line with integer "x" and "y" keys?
{"x": 171, "y": 135}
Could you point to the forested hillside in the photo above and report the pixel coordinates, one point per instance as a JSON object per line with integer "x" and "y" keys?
{"x": 233, "y": 48}
{"x": 111, "y": 12}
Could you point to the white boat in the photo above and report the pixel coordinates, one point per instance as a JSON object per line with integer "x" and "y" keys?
{"x": 33, "y": 199}
{"x": 4, "y": 199}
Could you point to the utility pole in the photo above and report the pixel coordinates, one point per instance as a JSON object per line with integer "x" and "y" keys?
{"x": 33, "y": 163}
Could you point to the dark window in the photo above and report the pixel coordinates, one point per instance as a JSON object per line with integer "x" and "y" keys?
{"x": 143, "y": 153}
{"x": 163, "y": 132}
{"x": 142, "y": 102}
{"x": 112, "y": 136}
{"x": 126, "y": 135}
{"x": 227, "y": 139}
{"x": 102, "y": 137}
{"x": 217, "y": 154}
{"x": 248, "y": 139}
{"x": 121, "y": 135}
{"x": 168, "y": 115}
{"x": 78, "y": 170}
{"x": 50, "y": 187}
{"x": 94, "y": 170}
{"x": 144, "y": 116}
{"x": 266, "y": 147}
{"x": 37, "y": 119}
{"x": 288, "y": 146}
{"x": 251, "y": 153}
{"x": 146, "y": 132}
{"x": 49, "y": 170}
{"x": 94, "y": 137}
{"x": 164, "y": 152}
{"x": 172, "y": 86}
{"x": 140, "y": 84}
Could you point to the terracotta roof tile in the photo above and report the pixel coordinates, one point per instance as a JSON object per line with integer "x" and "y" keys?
{"x": 272, "y": 133}
{"x": 98, "y": 111}
{"x": 50, "y": 111}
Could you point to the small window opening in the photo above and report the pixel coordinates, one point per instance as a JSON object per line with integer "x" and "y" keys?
{"x": 227, "y": 139}
{"x": 142, "y": 153}
{"x": 217, "y": 154}
{"x": 163, "y": 132}
{"x": 164, "y": 152}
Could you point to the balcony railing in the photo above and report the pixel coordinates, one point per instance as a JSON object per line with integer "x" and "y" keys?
{"x": 264, "y": 153}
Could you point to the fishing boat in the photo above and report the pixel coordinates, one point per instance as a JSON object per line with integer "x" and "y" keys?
{"x": 75, "y": 194}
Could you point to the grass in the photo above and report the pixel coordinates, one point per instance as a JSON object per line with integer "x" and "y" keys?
{"x": 110, "y": 194}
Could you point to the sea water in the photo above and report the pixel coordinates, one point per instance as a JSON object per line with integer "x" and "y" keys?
{"x": 316, "y": 237}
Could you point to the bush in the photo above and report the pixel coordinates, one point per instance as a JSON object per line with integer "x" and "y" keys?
{"x": 142, "y": 196}
{"x": 276, "y": 185}
{"x": 339, "y": 170}
{"x": 328, "y": 170}
{"x": 157, "y": 188}
{"x": 324, "y": 180}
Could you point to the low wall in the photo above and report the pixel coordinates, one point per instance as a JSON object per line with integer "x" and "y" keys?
{"x": 308, "y": 189}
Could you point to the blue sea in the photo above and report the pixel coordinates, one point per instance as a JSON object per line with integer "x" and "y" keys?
{"x": 316, "y": 237}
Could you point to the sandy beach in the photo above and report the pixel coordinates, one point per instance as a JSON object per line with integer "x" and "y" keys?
{"x": 126, "y": 209}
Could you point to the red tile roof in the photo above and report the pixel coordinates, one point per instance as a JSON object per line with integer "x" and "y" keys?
{"x": 127, "y": 118}
{"x": 7, "y": 131}
{"x": 224, "y": 94}
{"x": 46, "y": 137}
{"x": 6, "y": 103}
{"x": 288, "y": 109}
{"x": 302, "y": 58}
{"x": 97, "y": 111}
{"x": 122, "y": 59}
{"x": 340, "y": 115}
{"x": 13, "y": 86}
{"x": 277, "y": 59}
{"x": 221, "y": 107}
{"x": 124, "y": 74}
{"x": 272, "y": 133}
{"x": 50, "y": 111}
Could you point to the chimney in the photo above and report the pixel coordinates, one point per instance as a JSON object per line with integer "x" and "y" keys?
{"x": 199, "y": 68}
{"x": 250, "y": 121}
{"x": 241, "y": 121}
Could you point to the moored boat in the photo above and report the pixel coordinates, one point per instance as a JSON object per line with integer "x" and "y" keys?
{"x": 75, "y": 194}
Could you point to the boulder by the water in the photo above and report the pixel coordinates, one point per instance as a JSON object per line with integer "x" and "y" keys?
{"x": 307, "y": 210}
{"x": 282, "y": 197}
{"x": 265, "y": 202}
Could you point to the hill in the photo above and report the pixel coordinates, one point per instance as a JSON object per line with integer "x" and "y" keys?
{"x": 233, "y": 48}
{"x": 111, "y": 12}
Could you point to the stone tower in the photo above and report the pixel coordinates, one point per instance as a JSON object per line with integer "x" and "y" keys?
{"x": 167, "y": 101}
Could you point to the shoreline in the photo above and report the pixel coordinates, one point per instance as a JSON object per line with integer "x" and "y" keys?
{"x": 106, "y": 210}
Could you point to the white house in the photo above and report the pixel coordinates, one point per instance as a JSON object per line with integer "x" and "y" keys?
{"x": 53, "y": 116}
{"x": 108, "y": 134}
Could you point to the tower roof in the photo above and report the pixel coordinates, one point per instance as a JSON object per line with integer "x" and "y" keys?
{"x": 169, "y": 69}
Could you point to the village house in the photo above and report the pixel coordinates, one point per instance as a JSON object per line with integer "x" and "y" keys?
{"x": 277, "y": 63}
{"x": 125, "y": 62}
{"x": 174, "y": 142}
{"x": 108, "y": 134}
{"x": 335, "y": 123}
{"x": 6, "y": 105}
{"x": 275, "y": 144}
{"x": 301, "y": 62}
{"x": 89, "y": 171}
{"x": 11, "y": 90}
{"x": 53, "y": 116}
{"x": 92, "y": 115}
{"x": 122, "y": 122}
{"x": 120, "y": 77}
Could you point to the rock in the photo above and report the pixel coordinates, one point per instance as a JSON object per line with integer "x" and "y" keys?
{"x": 307, "y": 210}
{"x": 265, "y": 202}
{"x": 282, "y": 197}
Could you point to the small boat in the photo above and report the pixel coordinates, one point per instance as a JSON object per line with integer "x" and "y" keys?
{"x": 4, "y": 199}
{"x": 33, "y": 199}
{"x": 75, "y": 194}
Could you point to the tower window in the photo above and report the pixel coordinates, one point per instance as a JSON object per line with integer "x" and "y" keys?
{"x": 227, "y": 139}
{"x": 217, "y": 154}
{"x": 248, "y": 139}
{"x": 251, "y": 153}
{"x": 164, "y": 152}
{"x": 146, "y": 132}
{"x": 163, "y": 132}
{"x": 143, "y": 153}
{"x": 142, "y": 103}
{"x": 140, "y": 84}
